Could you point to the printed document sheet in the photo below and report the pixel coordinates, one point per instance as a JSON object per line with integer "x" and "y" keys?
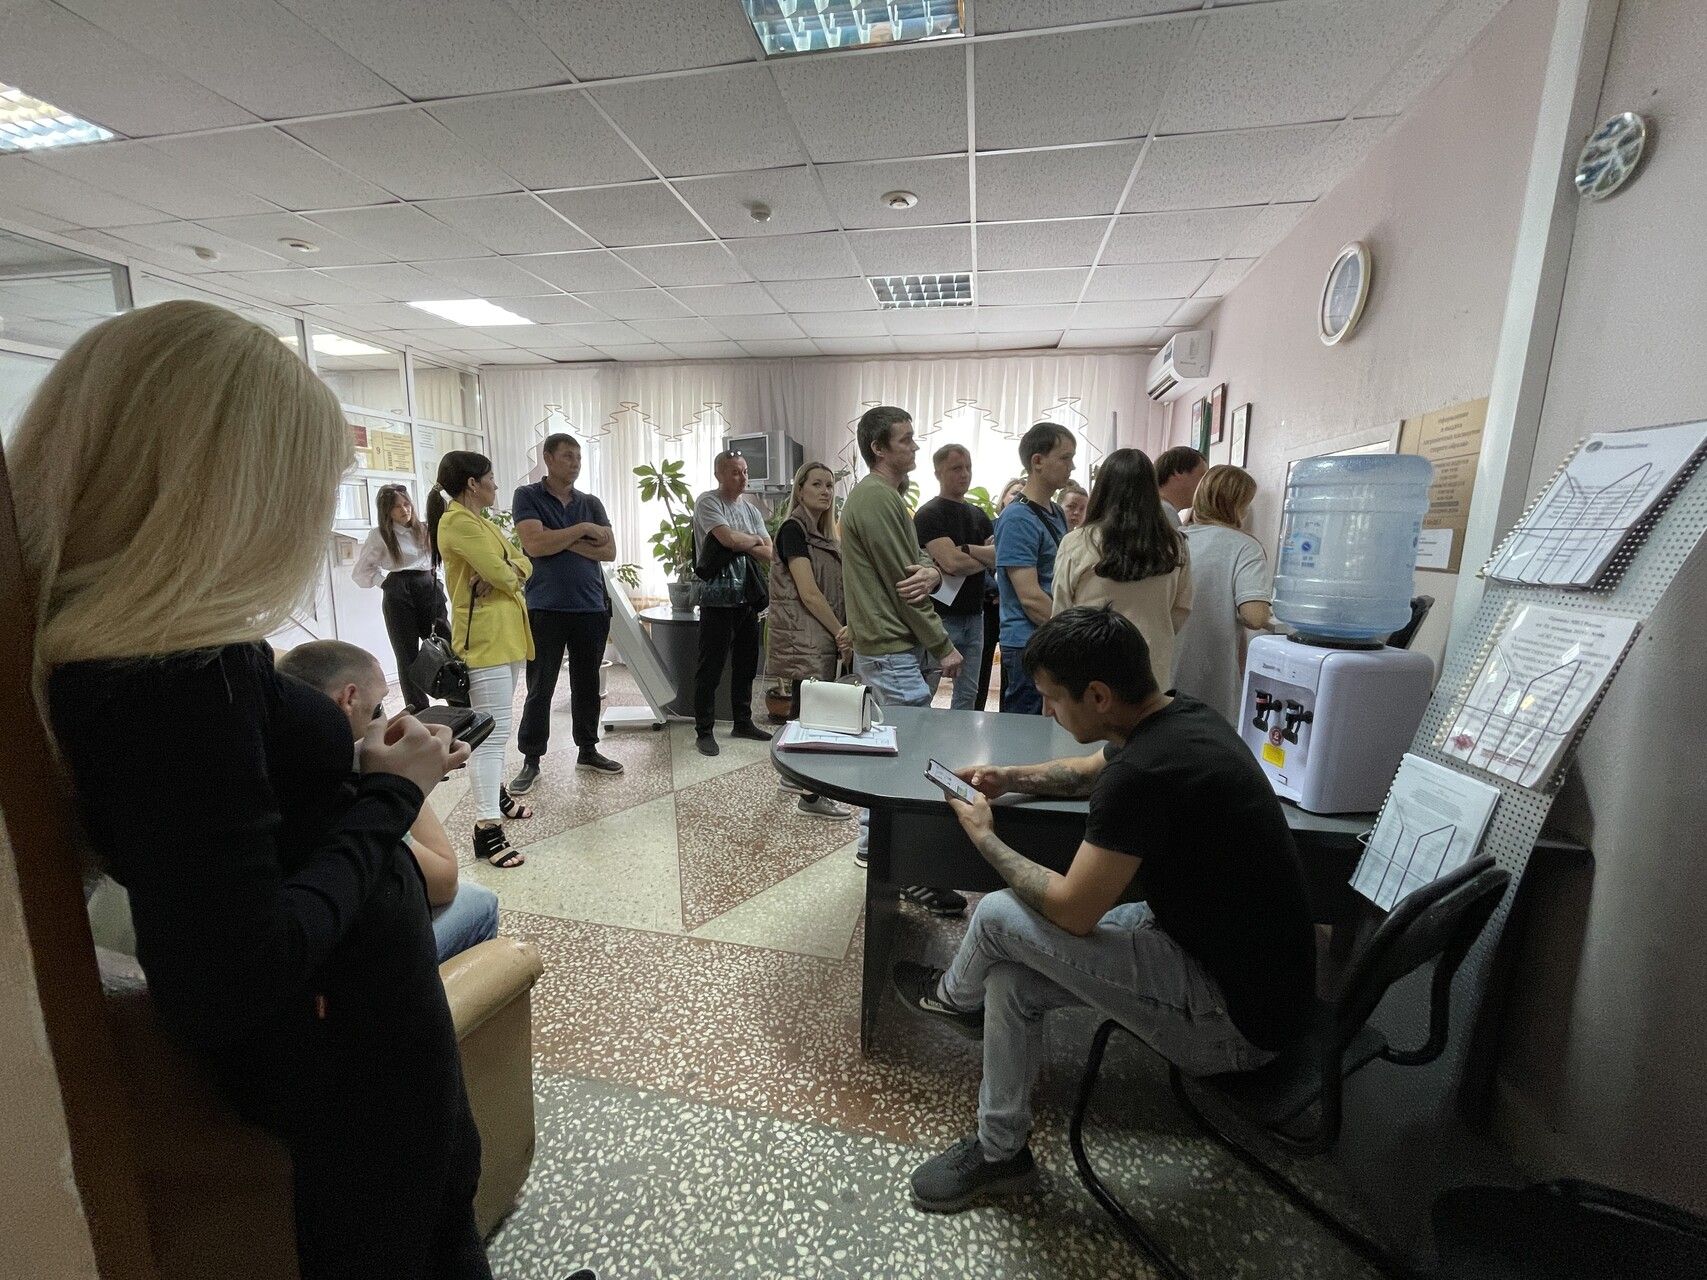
{"x": 1431, "y": 824}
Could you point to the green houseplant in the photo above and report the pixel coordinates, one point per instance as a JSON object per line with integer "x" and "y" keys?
{"x": 672, "y": 545}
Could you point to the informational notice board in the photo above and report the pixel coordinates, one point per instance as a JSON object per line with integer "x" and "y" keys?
{"x": 1450, "y": 438}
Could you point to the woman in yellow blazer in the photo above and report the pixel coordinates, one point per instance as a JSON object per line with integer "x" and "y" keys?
{"x": 485, "y": 573}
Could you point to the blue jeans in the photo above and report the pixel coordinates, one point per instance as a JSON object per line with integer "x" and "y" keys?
{"x": 967, "y": 632}
{"x": 895, "y": 680}
{"x": 466, "y": 920}
{"x": 1019, "y": 694}
{"x": 1019, "y": 966}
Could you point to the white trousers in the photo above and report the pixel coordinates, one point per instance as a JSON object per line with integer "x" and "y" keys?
{"x": 492, "y": 690}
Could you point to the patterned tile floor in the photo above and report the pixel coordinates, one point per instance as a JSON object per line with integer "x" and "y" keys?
{"x": 704, "y": 1110}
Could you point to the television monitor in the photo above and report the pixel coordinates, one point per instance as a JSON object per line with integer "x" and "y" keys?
{"x": 772, "y": 458}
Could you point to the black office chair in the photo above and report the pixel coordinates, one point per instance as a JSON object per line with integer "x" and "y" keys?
{"x": 1439, "y": 922}
{"x": 1420, "y": 605}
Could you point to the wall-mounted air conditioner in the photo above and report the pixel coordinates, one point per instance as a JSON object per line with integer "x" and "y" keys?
{"x": 1184, "y": 357}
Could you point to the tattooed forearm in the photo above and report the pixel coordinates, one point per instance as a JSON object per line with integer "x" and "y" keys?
{"x": 1028, "y": 880}
{"x": 1057, "y": 778}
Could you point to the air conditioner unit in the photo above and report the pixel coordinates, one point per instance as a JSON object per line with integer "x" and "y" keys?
{"x": 1184, "y": 357}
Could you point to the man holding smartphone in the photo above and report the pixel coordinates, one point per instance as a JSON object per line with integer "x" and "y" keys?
{"x": 1215, "y": 968}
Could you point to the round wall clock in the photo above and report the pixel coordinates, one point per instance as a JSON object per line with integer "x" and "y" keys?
{"x": 1610, "y": 156}
{"x": 1344, "y": 293}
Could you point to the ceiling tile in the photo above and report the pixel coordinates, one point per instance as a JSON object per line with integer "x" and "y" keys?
{"x": 834, "y": 324}
{"x": 371, "y": 315}
{"x": 80, "y": 67}
{"x": 708, "y": 350}
{"x": 917, "y": 343}
{"x": 943, "y": 187}
{"x": 680, "y": 329}
{"x": 823, "y": 256}
{"x": 1022, "y": 319}
{"x": 1022, "y": 15}
{"x": 929, "y": 320}
{"x": 1191, "y": 235}
{"x": 265, "y": 231}
{"x": 175, "y": 239}
{"x": 433, "y": 49}
{"x": 641, "y": 213}
{"x": 515, "y": 223}
{"x": 1032, "y": 341}
{"x": 588, "y": 335}
{"x": 915, "y": 251}
{"x": 743, "y": 328}
{"x": 1320, "y": 170}
{"x": 567, "y": 354}
{"x": 719, "y": 122}
{"x": 1224, "y": 277}
{"x": 870, "y": 346}
{"x": 1268, "y": 229}
{"x": 510, "y": 357}
{"x": 399, "y": 231}
{"x": 394, "y": 280}
{"x": 1212, "y": 170}
{"x": 486, "y": 277}
{"x": 726, "y": 299}
{"x": 905, "y": 101}
{"x": 763, "y": 348}
{"x": 702, "y": 263}
{"x": 1441, "y": 48}
{"x": 279, "y": 286}
{"x": 276, "y": 167}
{"x": 407, "y": 152}
{"x": 329, "y": 292}
{"x": 551, "y": 310}
{"x": 254, "y": 52}
{"x": 1122, "y": 315}
{"x": 823, "y": 295}
{"x": 1107, "y": 337}
{"x": 1014, "y": 288}
{"x": 1076, "y": 86}
{"x": 1193, "y": 311}
{"x": 1053, "y": 184}
{"x": 1149, "y": 280}
{"x": 42, "y": 190}
{"x": 639, "y": 351}
{"x": 1004, "y": 246}
{"x": 792, "y": 195}
{"x": 429, "y": 339}
{"x": 599, "y": 39}
{"x": 1310, "y": 60}
{"x": 465, "y": 339}
{"x": 635, "y": 304}
{"x": 136, "y": 171}
{"x": 574, "y": 272}
{"x": 545, "y": 140}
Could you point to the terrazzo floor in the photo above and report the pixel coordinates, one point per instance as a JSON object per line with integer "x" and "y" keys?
{"x": 703, "y": 1106}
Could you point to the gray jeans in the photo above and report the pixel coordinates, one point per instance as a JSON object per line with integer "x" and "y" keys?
{"x": 967, "y": 632}
{"x": 895, "y": 680}
{"x": 1019, "y": 966}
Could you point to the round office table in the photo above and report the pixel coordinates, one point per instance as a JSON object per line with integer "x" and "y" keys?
{"x": 676, "y": 638}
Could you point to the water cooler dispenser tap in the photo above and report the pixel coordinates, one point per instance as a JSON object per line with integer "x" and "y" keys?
{"x": 1295, "y": 716}
{"x": 1267, "y": 705}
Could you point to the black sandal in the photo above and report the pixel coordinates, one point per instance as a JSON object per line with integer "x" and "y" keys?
{"x": 491, "y": 844}
{"x": 511, "y": 807}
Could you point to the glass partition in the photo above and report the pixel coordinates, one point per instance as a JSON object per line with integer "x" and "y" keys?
{"x": 363, "y": 375}
{"x": 50, "y": 296}
{"x": 445, "y": 395}
{"x": 20, "y": 375}
{"x": 432, "y": 443}
{"x": 147, "y": 290}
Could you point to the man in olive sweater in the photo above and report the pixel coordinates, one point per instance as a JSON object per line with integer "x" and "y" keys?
{"x": 888, "y": 581}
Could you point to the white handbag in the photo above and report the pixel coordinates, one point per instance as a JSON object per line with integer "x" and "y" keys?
{"x": 840, "y": 708}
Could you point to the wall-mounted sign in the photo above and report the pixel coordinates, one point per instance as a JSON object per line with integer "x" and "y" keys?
{"x": 1450, "y": 438}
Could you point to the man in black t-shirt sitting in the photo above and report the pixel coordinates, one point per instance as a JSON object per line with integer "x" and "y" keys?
{"x": 959, "y": 538}
{"x": 1215, "y": 968}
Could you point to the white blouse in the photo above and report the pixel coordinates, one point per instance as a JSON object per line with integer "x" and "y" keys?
{"x": 376, "y": 560}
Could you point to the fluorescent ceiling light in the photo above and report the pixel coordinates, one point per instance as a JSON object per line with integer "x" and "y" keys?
{"x": 471, "y": 311}
{"x": 29, "y": 124}
{"x": 807, "y": 26}
{"x": 896, "y": 292}
{"x": 336, "y": 344}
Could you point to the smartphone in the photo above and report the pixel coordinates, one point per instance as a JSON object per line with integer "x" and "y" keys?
{"x": 465, "y": 725}
{"x": 936, "y": 771}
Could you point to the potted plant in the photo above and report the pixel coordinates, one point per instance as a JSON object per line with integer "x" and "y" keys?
{"x": 672, "y": 545}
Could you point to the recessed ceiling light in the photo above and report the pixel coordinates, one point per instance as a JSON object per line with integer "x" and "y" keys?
{"x": 336, "y": 344}
{"x": 204, "y": 253}
{"x": 759, "y": 212}
{"x": 896, "y": 292}
{"x": 471, "y": 311}
{"x": 807, "y": 26}
{"x": 300, "y": 246}
{"x": 900, "y": 200}
{"x": 29, "y": 124}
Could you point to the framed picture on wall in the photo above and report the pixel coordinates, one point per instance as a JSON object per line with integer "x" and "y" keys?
{"x": 1199, "y": 407}
{"x": 1241, "y": 434}
{"x": 1217, "y": 414}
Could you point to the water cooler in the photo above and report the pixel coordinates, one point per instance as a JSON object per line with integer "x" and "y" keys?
{"x": 1329, "y": 710}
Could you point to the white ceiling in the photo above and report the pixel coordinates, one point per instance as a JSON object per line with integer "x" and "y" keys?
{"x": 590, "y": 164}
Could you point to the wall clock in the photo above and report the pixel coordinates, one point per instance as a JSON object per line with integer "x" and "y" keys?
{"x": 1610, "y": 157}
{"x": 1344, "y": 293}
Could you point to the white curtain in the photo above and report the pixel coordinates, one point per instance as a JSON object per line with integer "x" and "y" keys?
{"x": 629, "y": 414}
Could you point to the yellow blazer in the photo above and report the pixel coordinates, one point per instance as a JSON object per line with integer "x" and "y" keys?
{"x": 471, "y": 544}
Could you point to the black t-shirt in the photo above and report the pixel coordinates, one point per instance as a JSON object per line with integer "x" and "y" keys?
{"x": 791, "y": 542}
{"x": 1219, "y": 867}
{"x": 965, "y": 526}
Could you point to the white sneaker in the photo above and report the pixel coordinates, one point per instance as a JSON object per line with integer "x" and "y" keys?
{"x": 823, "y": 808}
{"x": 792, "y": 788}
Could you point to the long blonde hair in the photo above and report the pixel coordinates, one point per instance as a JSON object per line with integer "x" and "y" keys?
{"x": 827, "y": 521}
{"x": 175, "y": 478}
{"x": 1222, "y": 496}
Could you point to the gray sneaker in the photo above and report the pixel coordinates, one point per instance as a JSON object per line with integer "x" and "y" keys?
{"x": 523, "y": 782}
{"x": 820, "y": 807}
{"x": 917, "y": 986}
{"x": 961, "y": 1176}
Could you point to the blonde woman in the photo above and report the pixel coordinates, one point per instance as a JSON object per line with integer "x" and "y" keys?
{"x": 397, "y": 558}
{"x": 279, "y": 916}
{"x": 807, "y": 632}
{"x": 486, "y": 574}
{"x": 1230, "y": 584}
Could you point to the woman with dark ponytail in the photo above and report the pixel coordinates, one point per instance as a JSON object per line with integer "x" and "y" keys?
{"x": 486, "y": 573}
{"x": 397, "y": 558}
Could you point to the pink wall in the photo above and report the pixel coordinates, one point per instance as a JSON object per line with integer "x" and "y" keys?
{"x": 1438, "y": 202}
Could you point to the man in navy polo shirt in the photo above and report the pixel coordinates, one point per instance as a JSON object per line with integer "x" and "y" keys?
{"x": 567, "y": 536}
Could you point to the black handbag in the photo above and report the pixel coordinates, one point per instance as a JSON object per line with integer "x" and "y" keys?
{"x": 439, "y": 670}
